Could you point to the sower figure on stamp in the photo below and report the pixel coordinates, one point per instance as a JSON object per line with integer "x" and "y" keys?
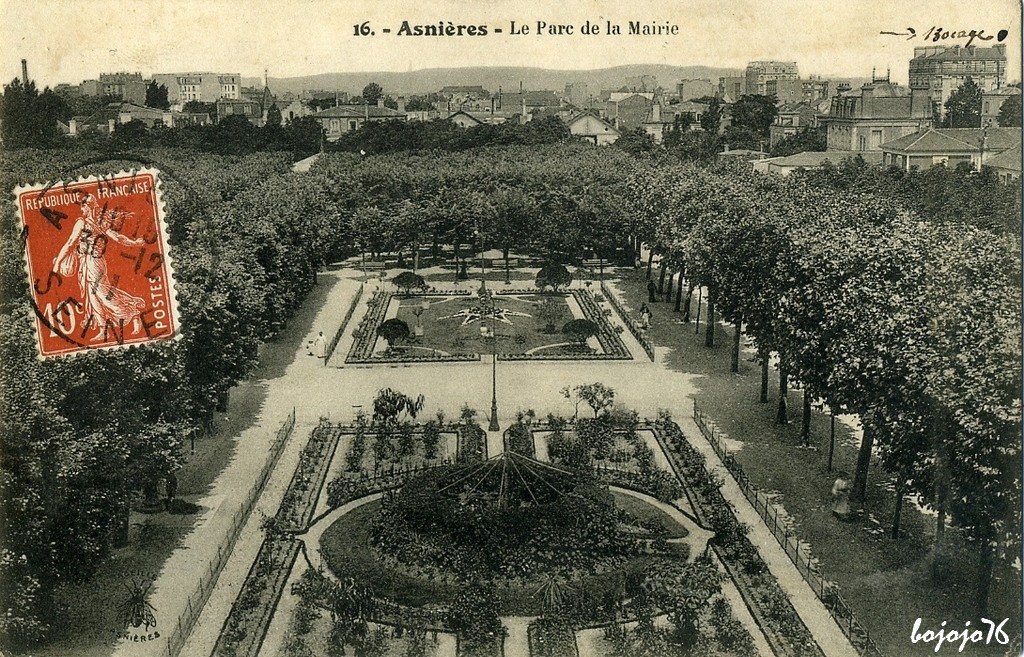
{"x": 85, "y": 254}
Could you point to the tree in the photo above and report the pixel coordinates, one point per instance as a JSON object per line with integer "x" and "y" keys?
{"x": 372, "y": 93}
{"x": 273, "y": 116}
{"x": 156, "y": 96}
{"x": 1010, "y": 112}
{"x": 597, "y": 395}
{"x": 579, "y": 330}
{"x": 409, "y": 281}
{"x": 963, "y": 107}
{"x": 199, "y": 107}
{"x": 711, "y": 119}
{"x": 394, "y": 331}
{"x": 806, "y": 139}
{"x": 755, "y": 113}
{"x": 29, "y": 119}
{"x": 553, "y": 275}
{"x": 636, "y": 142}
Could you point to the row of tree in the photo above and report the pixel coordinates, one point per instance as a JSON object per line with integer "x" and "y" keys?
{"x": 86, "y": 438}
{"x": 912, "y": 326}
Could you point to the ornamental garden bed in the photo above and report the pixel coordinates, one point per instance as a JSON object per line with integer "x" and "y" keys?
{"x": 246, "y": 625}
{"x": 768, "y": 603}
{"x": 446, "y": 327}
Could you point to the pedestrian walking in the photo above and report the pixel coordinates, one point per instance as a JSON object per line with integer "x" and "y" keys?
{"x": 320, "y": 345}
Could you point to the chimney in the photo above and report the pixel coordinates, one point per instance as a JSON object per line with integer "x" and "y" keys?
{"x": 401, "y": 103}
{"x": 265, "y": 85}
{"x": 24, "y": 71}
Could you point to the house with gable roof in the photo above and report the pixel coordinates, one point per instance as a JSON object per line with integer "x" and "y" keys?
{"x": 949, "y": 146}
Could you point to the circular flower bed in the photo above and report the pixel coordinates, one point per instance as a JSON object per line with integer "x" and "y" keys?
{"x": 506, "y": 518}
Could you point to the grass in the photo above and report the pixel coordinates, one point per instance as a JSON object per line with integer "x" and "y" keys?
{"x": 346, "y": 550}
{"x": 651, "y": 514}
{"x": 886, "y": 581}
{"x": 449, "y": 335}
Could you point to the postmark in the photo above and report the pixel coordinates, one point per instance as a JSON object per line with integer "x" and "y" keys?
{"x": 98, "y": 262}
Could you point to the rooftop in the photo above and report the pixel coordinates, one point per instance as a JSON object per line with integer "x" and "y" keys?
{"x": 955, "y": 140}
{"x": 1008, "y": 159}
{"x": 358, "y": 112}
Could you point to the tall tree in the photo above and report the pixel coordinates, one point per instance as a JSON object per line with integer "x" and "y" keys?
{"x": 711, "y": 120}
{"x": 963, "y": 108}
{"x": 156, "y": 96}
{"x": 1010, "y": 112}
{"x": 755, "y": 113}
{"x": 372, "y": 93}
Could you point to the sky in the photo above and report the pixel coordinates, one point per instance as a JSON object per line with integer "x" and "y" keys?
{"x": 72, "y": 40}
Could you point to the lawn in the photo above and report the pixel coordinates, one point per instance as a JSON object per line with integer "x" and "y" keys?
{"x": 346, "y": 550}
{"x": 649, "y": 514}
{"x": 449, "y": 325}
{"x": 886, "y": 581}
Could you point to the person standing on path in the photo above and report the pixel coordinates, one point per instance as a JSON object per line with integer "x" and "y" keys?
{"x": 319, "y": 345}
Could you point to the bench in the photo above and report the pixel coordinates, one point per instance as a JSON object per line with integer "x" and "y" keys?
{"x": 374, "y": 266}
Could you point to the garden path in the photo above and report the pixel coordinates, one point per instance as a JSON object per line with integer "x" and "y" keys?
{"x": 316, "y": 390}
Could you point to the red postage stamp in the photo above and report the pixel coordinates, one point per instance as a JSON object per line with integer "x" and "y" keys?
{"x": 99, "y": 269}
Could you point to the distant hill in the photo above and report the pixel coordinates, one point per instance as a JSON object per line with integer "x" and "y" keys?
{"x": 490, "y": 78}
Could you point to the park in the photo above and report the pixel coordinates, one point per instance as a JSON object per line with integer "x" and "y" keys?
{"x": 550, "y": 401}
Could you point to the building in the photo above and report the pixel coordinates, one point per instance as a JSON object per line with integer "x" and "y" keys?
{"x": 942, "y": 69}
{"x": 294, "y": 109}
{"x": 531, "y": 100}
{"x": 786, "y": 165}
{"x": 758, "y": 74}
{"x": 468, "y": 119}
{"x": 992, "y": 102}
{"x": 250, "y": 109}
{"x": 200, "y": 87}
{"x": 663, "y": 118}
{"x": 106, "y": 119}
{"x": 340, "y": 120}
{"x": 1006, "y": 165}
{"x": 129, "y": 87}
{"x": 627, "y": 110}
{"x": 810, "y": 90}
{"x": 475, "y": 92}
{"x": 590, "y": 127}
{"x": 864, "y": 119}
{"x": 691, "y": 89}
{"x": 950, "y": 147}
{"x": 731, "y": 88}
{"x": 791, "y": 119}
{"x": 577, "y": 93}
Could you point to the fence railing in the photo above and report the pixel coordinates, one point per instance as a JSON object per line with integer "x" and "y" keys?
{"x": 332, "y": 345}
{"x": 634, "y": 328}
{"x": 797, "y": 551}
{"x": 197, "y": 600}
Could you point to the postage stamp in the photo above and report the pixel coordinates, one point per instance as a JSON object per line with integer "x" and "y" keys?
{"x": 98, "y": 262}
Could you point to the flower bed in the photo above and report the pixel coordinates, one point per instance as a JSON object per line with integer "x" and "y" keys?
{"x": 611, "y": 344}
{"x": 472, "y": 444}
{"x": 246, "y": 625}
{"x": 768, "y": 603}
{"x": 344, "y": 323}
{"x": 552, "y": 637}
